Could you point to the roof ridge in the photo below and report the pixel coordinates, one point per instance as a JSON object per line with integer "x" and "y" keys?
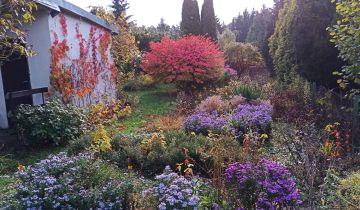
{"x": 59, "y": 5}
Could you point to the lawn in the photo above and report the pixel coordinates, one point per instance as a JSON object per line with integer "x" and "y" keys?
{"x": 153, "y": 103}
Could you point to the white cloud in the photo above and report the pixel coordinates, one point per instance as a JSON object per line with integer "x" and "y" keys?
{"x": 149, "y": 12}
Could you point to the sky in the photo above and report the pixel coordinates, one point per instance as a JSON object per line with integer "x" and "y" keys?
{"x": 149, "y": 12}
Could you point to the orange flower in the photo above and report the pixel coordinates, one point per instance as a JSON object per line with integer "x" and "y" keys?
{"x": 122, "y": 127}
{"x": 20, "y": 166}
{"x": 130, "y": 167}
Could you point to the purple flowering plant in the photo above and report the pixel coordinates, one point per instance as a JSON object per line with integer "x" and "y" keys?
{"x": 203, "y": 123}
{"x": 63, "y": 182}
{"x": 267, "y": 185}
{"x": 174, "y": 191}
{"x": 251, "y": 117}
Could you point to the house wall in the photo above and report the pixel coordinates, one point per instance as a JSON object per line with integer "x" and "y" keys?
{"x": 39, "y": 65}
{"x": 104, "y": 88}
{"x": 3, "y": 113}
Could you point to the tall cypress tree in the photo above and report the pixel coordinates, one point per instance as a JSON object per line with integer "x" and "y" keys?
{"x": 208, "y": 20}
{"x": 259, "y": 33}
{"x": 190, "y": 23}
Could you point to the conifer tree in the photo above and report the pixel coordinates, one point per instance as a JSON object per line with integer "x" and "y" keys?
{"x": 119, "y": 8}
{"x": 300, "y": 44}
{"x": 208, "y": 20}
{"x": 190, "y": 23}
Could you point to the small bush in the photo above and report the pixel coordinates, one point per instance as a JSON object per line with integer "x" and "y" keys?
{"x": 248, "y": 118}
{"x": 106, "y": 113}
{"x": 236, "y": 101}
{"x": 250, "y": 92}
{"x": 52, "y": 123}
{"x": 245, "y": 58}
{"x": 79, "y": 182}
{"x": 150, "y": 153}
{"x": 142, "y": 82}
{"x": 174, "y": 191}
{"x": 213, "y": 104}
{"x": 349, "y": 191}
{"x": 267, "y": 185}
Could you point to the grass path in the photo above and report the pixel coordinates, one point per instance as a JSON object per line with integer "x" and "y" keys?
{"x": 153, "y": 103}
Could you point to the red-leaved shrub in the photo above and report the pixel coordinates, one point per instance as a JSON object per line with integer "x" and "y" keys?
{"x": 189, "y": 62}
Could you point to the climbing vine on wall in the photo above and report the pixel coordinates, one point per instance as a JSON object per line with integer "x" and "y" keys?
{"x": 79, "y": 77}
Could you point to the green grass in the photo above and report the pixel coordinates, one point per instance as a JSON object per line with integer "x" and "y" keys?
{"x": 10, "y": 162}
{"x": 153, "y": 102}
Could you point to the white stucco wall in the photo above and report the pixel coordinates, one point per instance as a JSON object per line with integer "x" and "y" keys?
{"x": 3, "y": 114}
{"x": 40, "y": 37}
{"x": 103, "y": 87}
{"x": 39, "y": 65}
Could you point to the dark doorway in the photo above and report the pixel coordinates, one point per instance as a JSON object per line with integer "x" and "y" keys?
{"x": 15, "y": 76}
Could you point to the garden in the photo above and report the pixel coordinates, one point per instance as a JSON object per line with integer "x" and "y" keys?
{"x": 204, "y": 119}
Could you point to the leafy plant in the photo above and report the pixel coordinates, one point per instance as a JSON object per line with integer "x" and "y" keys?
{"x": 101, "y": 140}
{"x": 250, "y": 92}
{"x": 13, "y": 15}
{"x": 52, "y": 123}
{"x": 346, "y": 36}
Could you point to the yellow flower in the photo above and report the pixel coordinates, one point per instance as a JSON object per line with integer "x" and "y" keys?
{"x": 193, "y": 134}
{"x": 329, "y": 128}
{"x": 264, "y": 136}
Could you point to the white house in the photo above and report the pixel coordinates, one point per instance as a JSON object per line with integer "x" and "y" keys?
{"x": 72, "y": 58}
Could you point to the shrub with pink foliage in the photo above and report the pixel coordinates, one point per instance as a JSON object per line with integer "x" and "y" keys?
{"x": 213, "y": 103}
{"x": 189, "y": 62}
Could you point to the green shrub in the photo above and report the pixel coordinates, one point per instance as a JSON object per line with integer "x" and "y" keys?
{"x": 51, "y": 123}
{"x": 151, "y": 153}
{"x": 79, "y": 145}
{"x": 349, "y": 191}
{"x": 250, "y": 92}
{"x": 8, "y": 186}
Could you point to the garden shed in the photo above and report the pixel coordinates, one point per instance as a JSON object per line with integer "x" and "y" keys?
{"x": 72, "y": 59}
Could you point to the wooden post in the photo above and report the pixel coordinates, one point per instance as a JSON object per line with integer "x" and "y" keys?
{"x": 355, "y": 124}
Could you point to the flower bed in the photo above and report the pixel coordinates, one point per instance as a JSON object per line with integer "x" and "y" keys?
{"x": 267, "y": 185}
{"x": 245, "y": 118}
{"x": 61, "y": 181}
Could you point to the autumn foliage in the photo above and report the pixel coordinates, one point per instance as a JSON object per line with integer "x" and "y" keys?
{"x": 189, "y": 62}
